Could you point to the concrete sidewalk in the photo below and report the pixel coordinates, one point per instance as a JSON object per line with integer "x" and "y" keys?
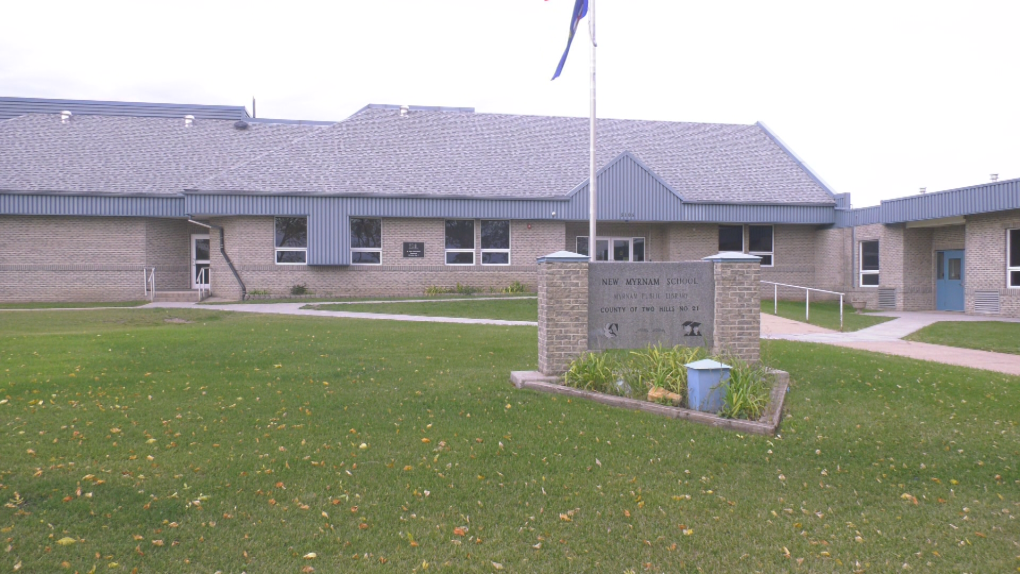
{"x": 295, "y": 309}
{"x": 887, "y": 338}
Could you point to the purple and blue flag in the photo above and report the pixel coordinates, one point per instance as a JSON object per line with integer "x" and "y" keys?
{"x": 580, "y": 10}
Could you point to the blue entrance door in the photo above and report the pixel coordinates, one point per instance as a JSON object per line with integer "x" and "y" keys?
{"x": 949, "y": 280}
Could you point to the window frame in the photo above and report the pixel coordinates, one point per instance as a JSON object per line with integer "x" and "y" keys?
{"x": 289, "y": 249}
{"x": 447, "y": 251}
{"x": 484, "y": 250}
{"x": 743, "y": 239}
{"x": 860, "y": 265}
{"x": 1011, "y": 269}
{"x": 771, "y": 254}
{"x": 366, "y": 249}
{"x": 609, "y": 239}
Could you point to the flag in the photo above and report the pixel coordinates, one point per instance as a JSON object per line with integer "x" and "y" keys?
{"x": 580, "y": 10}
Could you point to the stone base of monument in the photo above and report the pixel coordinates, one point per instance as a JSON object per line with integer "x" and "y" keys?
{"x": 767, "y": 425}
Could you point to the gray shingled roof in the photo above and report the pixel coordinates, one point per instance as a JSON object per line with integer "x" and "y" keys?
{"x": 127, "y": 155}
{"x": 442, "y": 153}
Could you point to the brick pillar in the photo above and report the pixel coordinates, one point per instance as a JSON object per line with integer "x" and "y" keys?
{"x": 562, "y": 310}
{"x": 737, "y": 305}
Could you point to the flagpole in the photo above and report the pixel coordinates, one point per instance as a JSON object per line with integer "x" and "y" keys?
{"x": 591, "y": 142}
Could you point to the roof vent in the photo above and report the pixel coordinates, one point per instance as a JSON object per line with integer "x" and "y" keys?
{"x": 65, "y": 116}
{"x": 995, "y": 177}
{"x": 189, "y": 120}
{"x": 924, "y": 190}
{"x": 241, "y": 125}
{"x": 403, "y": 111}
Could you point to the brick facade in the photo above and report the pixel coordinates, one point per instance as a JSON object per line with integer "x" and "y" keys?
{"x": 250, "y": 245}
{"x": 985, "y": 260}
{"x": 84, "y": 259}
{"x": 562, "y": 315}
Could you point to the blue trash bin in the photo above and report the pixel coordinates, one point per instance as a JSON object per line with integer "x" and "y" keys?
{"x": 706, "y": 385}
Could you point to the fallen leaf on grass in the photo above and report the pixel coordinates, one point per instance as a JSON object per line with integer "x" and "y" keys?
{"x": 910, "y": 497}
{"x": 497, "y": 565}
{"x": 310, "y": 556}
{"x": 459, "y": 531}
{"x": 66, "y": 541}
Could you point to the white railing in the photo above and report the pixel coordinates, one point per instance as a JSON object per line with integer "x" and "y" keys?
{"x": 807, "y": 299}
{"x": 149, "y": 282}
{"x": 202, "y": 280}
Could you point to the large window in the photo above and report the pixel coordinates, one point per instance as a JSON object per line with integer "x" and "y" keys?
{"x": 1013, "y": 257}
{"x": 460, "y": 242}
{"x": 759, "y": 242}
{"x": 614, "y": 248}
{"x": 366, "y": 241}
{"x": 731, "y": 238}
{"x": 869, "y": 263}
{"x": 495, "y": 242}
{"x": 291, "y": 240}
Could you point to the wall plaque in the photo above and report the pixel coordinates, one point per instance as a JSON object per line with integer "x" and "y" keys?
{"x": 633, "y": 305}
{"x": 414, "y": 249}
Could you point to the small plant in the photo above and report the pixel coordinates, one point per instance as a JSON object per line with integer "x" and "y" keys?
{"x": 594, "y": 372}
{"x": 747, "y": 392}
{"x": 664, "y": 368}
{"x": 259, "y": 293}
{"x": 466, "y": 289}
{"x": 435, "y": 290}
{"x": 299, "y": 289}
{"x": 515, "y": 287}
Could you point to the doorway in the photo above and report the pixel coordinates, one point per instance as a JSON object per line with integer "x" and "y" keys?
{"x": 949, "y": 280}
{"x": 614, "y": 248}
{"x": 199, "y": 261}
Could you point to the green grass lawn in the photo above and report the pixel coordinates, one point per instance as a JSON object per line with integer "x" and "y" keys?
{"x": 348, "y": 299}
{"x": 233, "y": 443}
{"x": 508, "y": 309}
{"x": 824, "y": 314}
{"x": 71, "y": 305}
{"x": 982, "y": 335}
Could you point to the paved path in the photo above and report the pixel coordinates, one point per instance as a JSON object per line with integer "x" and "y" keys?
{"x": 296, "y": 309}
{"x": 887, "y": 338}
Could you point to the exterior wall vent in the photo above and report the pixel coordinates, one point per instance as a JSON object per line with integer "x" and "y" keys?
{"x": 65, "y": 116}
{"x": 189, "y": 120}
{"x": 924, "y": 190}
{"x": 995, "y": 177}
{"x": 403, "y": 111}
{"x": 241, "y": 125}
{"x": 987, "y": 302}
{"x": 886, "y": 298}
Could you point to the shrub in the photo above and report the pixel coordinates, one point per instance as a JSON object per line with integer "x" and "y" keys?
{"x": 434, "y": 290}
{"x": 259, "y": 293}
{"x": 515, "y": 287}
{"x": 594, "y": 372}
{"x": 747, "y": 392}
{"x": 466, "y": 289}
{"x": 299, "y": 289}
{"x": 659, "y": 367}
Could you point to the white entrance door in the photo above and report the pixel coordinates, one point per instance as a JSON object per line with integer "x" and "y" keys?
{"x": 199, "y": 261}
{"x": 617, "y": 248}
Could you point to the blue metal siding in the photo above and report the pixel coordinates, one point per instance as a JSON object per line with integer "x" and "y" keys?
{"x": 866, "y": 215}
{"x": 18, "y": 204}
{"x": 736, "y": 213}
{"x": 990, "y": 197}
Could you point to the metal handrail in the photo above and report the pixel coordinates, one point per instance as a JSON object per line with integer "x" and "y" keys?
{"x": 807, "y": 299}
{"x": 202, "y": 280}
{"x": 149, "y": 283}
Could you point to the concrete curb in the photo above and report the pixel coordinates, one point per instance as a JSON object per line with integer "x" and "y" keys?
{"x": 768, "y": 425}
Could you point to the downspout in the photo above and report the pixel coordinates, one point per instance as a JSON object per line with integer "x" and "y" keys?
{"x": 223, "y": 252}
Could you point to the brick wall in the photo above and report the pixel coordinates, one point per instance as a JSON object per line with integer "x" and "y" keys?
{"x": 832, "y": 257}
{"x": 250, "y": 245}
{"x": 562, "y": 315}
{"x": 737, "y": 310}
{"x": 985, "y": 260}
{"x": 918, "y": 265}
{"x": 83, "y": 259}
{"x": 168, "y": 249}
{"x": 949, "y": 237}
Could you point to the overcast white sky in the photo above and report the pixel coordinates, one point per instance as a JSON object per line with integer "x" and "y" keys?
{"x": 879, "y": 98}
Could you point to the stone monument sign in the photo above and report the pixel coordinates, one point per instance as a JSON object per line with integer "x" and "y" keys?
{"x": 633, "y": 305}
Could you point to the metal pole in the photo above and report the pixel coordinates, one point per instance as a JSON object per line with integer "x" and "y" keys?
{"x": 841, "y": 312}
{"x": 591, "y": 142}
{"x": 807, "y": 306}
{"x": 775, "y": 299}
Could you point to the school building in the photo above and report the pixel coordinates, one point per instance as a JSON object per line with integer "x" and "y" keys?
{"x": 106, "y": 201}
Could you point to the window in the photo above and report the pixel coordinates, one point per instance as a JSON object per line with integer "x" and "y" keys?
{"x": 291, "y": 240}
{"x": 759, "y": 242}
{"x": 869, "y": 264}
{"x": 496, "y": 242}
{"x": 366, "y": 241}
{"x": 731, "y": 238}
{"x": 1013, "y": 257}
{"x": 614, "y": 248}
{"x": 460, "y": 242}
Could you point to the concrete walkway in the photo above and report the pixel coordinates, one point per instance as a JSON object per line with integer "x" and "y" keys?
{"x": 296, "y": 309}
{"x": 887, "y": 338}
